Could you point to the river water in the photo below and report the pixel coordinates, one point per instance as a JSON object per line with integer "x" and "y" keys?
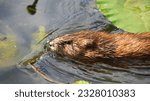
{"x": 67, "y": 16}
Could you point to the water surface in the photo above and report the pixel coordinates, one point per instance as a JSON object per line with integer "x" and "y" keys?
{"x": 67, "y": 16}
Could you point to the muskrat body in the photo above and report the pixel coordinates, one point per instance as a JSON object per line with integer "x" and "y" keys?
{"x": 91, "y": 47}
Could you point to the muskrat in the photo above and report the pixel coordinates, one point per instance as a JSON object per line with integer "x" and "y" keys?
{"x": 89, "y": 46}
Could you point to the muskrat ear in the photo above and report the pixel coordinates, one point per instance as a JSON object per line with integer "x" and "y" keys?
{"x": 86, "y": 42}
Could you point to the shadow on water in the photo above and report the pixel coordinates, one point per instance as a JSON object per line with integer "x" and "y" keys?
{"x": 22, "y": 18}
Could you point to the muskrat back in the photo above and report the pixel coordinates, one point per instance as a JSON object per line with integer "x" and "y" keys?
{"x": 90, "y": 46}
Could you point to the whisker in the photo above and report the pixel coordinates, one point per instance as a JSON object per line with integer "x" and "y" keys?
{"x": 49, "y": 33}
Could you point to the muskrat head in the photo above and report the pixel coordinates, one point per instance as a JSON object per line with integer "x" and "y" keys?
{"x": 71, "y": 45}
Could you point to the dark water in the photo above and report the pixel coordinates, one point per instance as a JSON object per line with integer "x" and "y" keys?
{"x": 66, "y": 16}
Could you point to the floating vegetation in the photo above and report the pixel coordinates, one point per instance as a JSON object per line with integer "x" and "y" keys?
{"x": 130, "y": 15}
{"x": 32, "y": 8}
{"x": 81, "y": 82}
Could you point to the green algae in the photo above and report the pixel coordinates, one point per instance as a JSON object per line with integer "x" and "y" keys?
{"x": 8, "y": 50}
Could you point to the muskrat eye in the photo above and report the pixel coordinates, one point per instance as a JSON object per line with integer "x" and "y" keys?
{"x": 67, "y": 42}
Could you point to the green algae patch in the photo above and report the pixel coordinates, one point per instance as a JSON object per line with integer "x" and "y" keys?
{"x": 129, "y": 15}
{"x": 37, "y": 37}
{"x": 8, "y": 50}
{"x": 81, "y": 82}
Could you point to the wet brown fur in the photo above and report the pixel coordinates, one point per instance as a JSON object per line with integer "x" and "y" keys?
{"x": 95, "y": 46}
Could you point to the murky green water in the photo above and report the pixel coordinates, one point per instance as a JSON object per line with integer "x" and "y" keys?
{"x": 23, "y": 18}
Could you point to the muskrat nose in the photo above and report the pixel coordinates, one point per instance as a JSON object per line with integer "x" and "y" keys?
{"x": 52, "y": 46}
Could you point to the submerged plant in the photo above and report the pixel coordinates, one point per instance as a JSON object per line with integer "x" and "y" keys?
{"x": 8, "y": 50}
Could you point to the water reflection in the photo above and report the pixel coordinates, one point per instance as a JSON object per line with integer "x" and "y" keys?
{"x": 55, "y": 67}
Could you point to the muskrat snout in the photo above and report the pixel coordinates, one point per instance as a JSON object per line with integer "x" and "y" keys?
{"x": 59, "y": 42}
{"x": 53, "y": 46}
